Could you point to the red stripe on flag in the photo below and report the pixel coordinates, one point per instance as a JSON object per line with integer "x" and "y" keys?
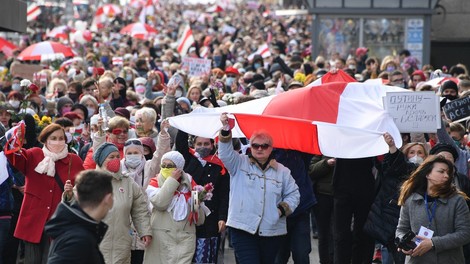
{"x": 188, "y": 33}
{"x": 319, "y": 104}
{"x": 291, "y": 133}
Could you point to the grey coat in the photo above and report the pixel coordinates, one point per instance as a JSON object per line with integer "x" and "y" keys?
{"x": 451, "y": 226}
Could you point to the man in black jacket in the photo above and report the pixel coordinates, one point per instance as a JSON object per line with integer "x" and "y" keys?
{"x": 76, "y": 229}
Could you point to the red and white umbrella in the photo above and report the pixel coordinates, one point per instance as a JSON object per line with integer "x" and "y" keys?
{"x": 46, "y": 50}
{"x": 109, "y": 10}
{"x": 139, "y": 30}
{"x": 7, "y": 47}
{"x": 61, "y": 32}
{"x": 345, "y": 120}
{"x": 214, "y": 9}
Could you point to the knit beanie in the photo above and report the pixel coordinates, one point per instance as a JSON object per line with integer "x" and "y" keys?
{"x": 175, "y": 157}
{"x": 103, "y": 152}
{"x": 449, "y": 84}
{"x": 63, "y": 101}
{"x": 148, "y": 142}
{"x": 440, "y": 147}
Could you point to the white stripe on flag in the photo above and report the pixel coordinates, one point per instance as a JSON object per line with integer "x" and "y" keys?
{"x": 33, "y": 12}
{"x": 186, "y": 41}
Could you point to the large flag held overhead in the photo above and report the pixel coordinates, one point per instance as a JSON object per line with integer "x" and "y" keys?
{"x": 339, "y": 76}
{"x": 186, "y": 41}
{"x": 344, "y": 120}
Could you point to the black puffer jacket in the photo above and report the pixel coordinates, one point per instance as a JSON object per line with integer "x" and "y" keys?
{"x": 75, "y": 236}
{"x": 202, "y": 175}
{"x": 383, "y": 217}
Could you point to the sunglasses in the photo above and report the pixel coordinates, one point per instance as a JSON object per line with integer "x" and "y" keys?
{"x": 262, "y": 146}
{"x": 133, "y": 142}
{"x": 167, "y": 166}
{"x": 118, "y": 131}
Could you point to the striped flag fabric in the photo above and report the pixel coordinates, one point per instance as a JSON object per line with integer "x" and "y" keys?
{"x": 117, "y": 61}
{"x": 186, "y": 41}
{"x": 263, "y": 50}
{"x": 32, "y": 12}
{"x": 339, "y": 119}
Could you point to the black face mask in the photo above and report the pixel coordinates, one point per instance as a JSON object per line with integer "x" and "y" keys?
{"x": 148, "y": 156}
{"x": 73, "y": 96}
{"x": 60, "y": 94}
{"x": 451, "y": 97}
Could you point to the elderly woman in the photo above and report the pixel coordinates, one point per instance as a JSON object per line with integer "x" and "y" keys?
{"x": 91, "y": 104}
{"x": 56, "y": 89}
{"x": 434, "y": 210}
{"x": 47, "y": 170}
{"x": 145, "y": 119}
{"x": 117, "y": 133}
{"x": 129, "y": 202}
{"x": 262, "y": 194}
{"x": 169, "y": 194}
{"x": 383, "y": 217}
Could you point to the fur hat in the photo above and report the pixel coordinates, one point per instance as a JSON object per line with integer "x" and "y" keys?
{"x": 175, "y": 157}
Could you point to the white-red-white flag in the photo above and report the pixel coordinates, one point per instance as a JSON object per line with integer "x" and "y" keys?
{"x": 32, "y": 12}
{"x": 263, "y": 50}
{"x": 147, "y": 10}
{"x": 186, "y": 41}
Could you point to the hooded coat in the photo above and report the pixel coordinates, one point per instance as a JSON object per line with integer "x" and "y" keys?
{"x": 75, "y": 236}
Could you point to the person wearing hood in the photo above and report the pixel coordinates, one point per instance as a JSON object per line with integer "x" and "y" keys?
{"x": 129, "y": 203}
{"x": 77, "y": 229}
{"x": 46, "y": 170}
{"x": 382, "y": 220}
{"x": 172, "y": 222}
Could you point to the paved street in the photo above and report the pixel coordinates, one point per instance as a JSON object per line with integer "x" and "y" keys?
{"x": 230, "y": 258}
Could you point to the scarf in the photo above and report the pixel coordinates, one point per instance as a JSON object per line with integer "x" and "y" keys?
{"x": 179, "y": 203}
{"x": 137, "y": 174}
{"x": 214, "y": 159}
{"x": 47, "y": 165}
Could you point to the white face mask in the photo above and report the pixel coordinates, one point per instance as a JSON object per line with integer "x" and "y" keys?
{"x": 416, "y": 159}
{"x": 178, "y": 93}
{"x": 91, "y": 111}
{"x": 16, "y": 87}
{"x": 14, "y": 103}
{"x": 133, "y": 160}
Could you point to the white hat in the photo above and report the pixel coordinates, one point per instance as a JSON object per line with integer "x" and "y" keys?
{"x": 175, "y": 157}
{"x": 140, "y": 80}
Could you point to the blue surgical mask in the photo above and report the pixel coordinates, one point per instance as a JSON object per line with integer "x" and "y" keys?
{"x": 390, "y": 68}
{"x": 217, "y": 60}
{"x": 229, "y": 81}
{"x": 257, "y": 65}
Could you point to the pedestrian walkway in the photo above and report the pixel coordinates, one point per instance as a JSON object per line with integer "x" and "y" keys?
{"x": 230, "y": 257}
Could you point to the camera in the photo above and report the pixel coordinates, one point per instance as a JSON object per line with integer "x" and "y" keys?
{"x": 406, "y": 242}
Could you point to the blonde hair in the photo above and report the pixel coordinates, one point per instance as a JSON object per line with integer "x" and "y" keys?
{"x": 51, "y": 88}
{"x": 148, "y": 113}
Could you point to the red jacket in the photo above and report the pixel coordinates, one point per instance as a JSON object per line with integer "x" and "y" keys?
{"x": 42, "y": 193}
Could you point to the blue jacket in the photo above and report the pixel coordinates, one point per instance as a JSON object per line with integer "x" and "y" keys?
{"x": 297, "y": 162}
{"x": 255, "y": 194}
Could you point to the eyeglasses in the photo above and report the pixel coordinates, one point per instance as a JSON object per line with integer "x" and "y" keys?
{"x": 416, "y": 80}
{"x": 397, "y": 80}
{"x": 118, "y": 131}
{"x": 262, "y": 146}
{"x": 133, "y": 142}
{"x": 167, "y": 166}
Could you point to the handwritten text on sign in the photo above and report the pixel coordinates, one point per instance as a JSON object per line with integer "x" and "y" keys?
{"x": 414, "y": 111}
{"x": 195, "y": 66}
{"x": 458, "y": 109}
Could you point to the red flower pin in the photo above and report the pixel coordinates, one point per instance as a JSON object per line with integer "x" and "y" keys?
{"x": 98, "y": 71}
{"x": 33, "y": 87}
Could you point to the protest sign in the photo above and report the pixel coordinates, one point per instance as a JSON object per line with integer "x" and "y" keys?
{"x": 414, "y": 111}
{"x": 25, "y": 71}
{"x": 458, "y": 110}
{"x": 196, "y": 66}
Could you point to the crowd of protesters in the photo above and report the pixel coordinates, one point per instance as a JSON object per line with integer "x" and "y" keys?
{"x": 100, "y": 113}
